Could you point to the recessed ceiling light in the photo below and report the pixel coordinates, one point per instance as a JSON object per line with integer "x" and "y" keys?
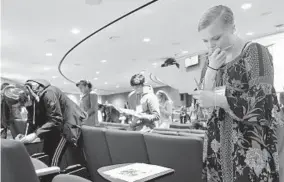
{"x": 46, "y": 68}
{"x": 105, "y": 83}
{"x": 66, "y": 83}
{"x": 142, "y": 72}
{"x": 75, "y": 31}
{"x": 48, "y": 54}
{"x": 146, "y": 39}
{"x": 103, "y": 61}
{"x": 246, "y": 6}
{"x": 114, "y": 37}
{"x": 54, "y": 77}
{"x": 95, "y": 78}
{"x": 250, "y": 33}
{"x": 184, "y": 52}
{"x": 50, "y": 41}
{"x": 154, "y": 64}
{"x": 93, "y": 2}
{"x": 117, "y": 86}
{"x": 97, "y": 72}
{"x": 266, "y": 13}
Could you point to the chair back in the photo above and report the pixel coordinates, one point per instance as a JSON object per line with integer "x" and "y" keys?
{"x": 16, "y": 165}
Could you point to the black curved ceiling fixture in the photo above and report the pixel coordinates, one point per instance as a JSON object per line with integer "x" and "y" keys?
{"x": 97, "y": 31}
{"x": 154, "y": 79}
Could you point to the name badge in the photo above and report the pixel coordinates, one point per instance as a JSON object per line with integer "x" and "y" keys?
{"x": 220, "y": 90}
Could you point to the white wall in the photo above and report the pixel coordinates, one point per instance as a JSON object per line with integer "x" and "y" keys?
{"x": 277, "y": 51}
{"x": 183, "y": 79}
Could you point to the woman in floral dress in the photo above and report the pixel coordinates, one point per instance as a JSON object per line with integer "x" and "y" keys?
{"x": 241, "y": 142}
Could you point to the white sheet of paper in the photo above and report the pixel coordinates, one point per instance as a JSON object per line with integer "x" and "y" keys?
{"x": 136, "y": 171}
{"x": 139, "y": 108}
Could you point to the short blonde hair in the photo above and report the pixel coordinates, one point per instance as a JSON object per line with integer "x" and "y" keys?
{"x": 212, "y": 14}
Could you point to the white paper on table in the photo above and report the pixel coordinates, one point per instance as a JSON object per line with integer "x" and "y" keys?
{"x": 139, "y": 108}
{"x": 131, "y": 112}
{"x": 136, "y": 171}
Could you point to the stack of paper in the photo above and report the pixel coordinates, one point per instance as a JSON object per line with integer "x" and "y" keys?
{"x": 135, "y": 172}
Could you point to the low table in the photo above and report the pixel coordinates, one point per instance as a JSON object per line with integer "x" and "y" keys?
{"x": 102, "y": 171}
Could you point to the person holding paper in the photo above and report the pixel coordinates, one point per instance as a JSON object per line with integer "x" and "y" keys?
{"x": 55, "y": 119}
{"x": 241, "y": 142}
{"x": 148, "y": 112}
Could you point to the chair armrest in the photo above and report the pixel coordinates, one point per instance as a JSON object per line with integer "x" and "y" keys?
{"x": 47, "y": 171}
{"x": 68, "y": 178}
{"x": 38, "y": 164}
{"x": 36, "y": 155}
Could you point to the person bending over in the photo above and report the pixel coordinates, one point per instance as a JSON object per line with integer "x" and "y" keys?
{"x": 54, "y": 118}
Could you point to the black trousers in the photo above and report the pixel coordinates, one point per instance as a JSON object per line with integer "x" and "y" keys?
{"x": 54, "y": 146}
{"x": 62, "y": 153}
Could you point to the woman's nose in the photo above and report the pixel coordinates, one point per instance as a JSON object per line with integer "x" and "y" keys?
{"x": 212, "y": 45}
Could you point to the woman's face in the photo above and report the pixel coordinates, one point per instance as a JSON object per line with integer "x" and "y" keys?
{"x": 160, "y": 97}
{"x": 218, "y": 35}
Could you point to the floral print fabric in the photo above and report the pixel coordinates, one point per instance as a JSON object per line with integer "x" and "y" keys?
{"x": 241, "y": 143}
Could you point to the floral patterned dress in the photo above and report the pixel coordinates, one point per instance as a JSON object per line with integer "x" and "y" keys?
{"x": 241, "y": 143}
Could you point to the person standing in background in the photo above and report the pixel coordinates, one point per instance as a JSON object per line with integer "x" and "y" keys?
{"x": 149, "y": 105}
{"x": 193, "y": 111}
{"x": 88, "y": 102}
{"x": 166, "y": 109}
{"x": 4, "y": 113}
{"x": 183, "y": 115}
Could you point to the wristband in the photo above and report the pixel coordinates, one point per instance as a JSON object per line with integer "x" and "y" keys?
{"x": 212, "y": 68}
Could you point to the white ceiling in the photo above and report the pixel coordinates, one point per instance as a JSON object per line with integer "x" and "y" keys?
{"x": 32, "y": 28}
